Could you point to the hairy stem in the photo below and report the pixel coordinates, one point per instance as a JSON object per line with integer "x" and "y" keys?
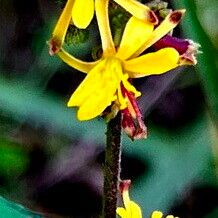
{"x": 112, "y": 167}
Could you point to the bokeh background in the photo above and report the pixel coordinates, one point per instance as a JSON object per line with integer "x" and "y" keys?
{"x": 51, "y": 163}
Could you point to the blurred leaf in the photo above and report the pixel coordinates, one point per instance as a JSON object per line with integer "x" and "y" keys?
{"x": 9, "y": 209}
{"x": 214, "y": 214}
{"x": 23, "y": 102}
{"x": 207, "y": 60}
{"x": 13, "y": 159}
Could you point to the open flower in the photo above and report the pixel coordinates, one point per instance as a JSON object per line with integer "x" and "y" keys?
{"x": 108, "y": 80}
{"x": 131, "y": 209}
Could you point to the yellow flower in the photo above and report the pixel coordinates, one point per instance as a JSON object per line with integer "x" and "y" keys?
{"x": 102, "y": 84}
{"x": 131, "y": 209}
{"x": 158, "y": 214}
{"x": 108, "y": 79}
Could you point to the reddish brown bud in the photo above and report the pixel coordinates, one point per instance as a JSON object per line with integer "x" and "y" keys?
{"x": 124, "y": 185}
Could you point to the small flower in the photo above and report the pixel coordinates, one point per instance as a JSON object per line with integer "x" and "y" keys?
{"x": 131, "y": 209}
{"x": 108, "y": 80}
{"x": 158, "y": 214}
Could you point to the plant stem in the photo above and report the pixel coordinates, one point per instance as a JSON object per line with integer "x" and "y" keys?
{"x": 112, "y": 167}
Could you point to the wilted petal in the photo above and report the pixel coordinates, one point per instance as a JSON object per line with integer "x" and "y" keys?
{"x": 189, "y": 57}
{"x": 136, "y": 33}
{"x": 127, "y": 123}
{"x": 186, "y": 48}
{"x": 132, "y": 122}
{"x": 133, "y": 127}
{"x": 82, "y": 13}
{"x": 181, "y": 45}
{"x": 153, "y": 63}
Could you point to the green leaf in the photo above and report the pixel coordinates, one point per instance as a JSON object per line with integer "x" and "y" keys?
{"x": 11, "y": 210}
{"x": 13, "y": 159}
{"x": 22, "y": 102}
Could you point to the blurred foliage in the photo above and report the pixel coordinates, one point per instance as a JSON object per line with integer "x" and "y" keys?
{"x": 13, "y": 159}
{"x": 8, "y": 209}
{"x": 207, "y": 61}
{"x": 48, "y": 159}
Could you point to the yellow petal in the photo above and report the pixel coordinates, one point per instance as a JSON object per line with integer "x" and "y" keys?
{"x": 152, "y": 63}
{"x": 98, "y": 89}
{"x": 122, "y": 212}
{"x": 61, "y": 27}
{"x": 82, "y": 13}
{"x": 76, "y": 63}
{"x": 169, "y": 23}
{"x": 135, "y": 210}
{"x": 126, "y": 198}
{"x": 138, "y": 10}
{"x": 101, "y": 7}
{"x": 136, "y": 33}
{"x": 170, "y": 216}
{"x": 156, "y": 214}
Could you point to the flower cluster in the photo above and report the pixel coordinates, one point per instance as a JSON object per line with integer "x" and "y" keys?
{"x": 131, "y": 209}
{"x": 108, "y": 83}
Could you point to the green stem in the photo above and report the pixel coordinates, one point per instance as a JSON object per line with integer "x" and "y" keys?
{"x": 112, "y": 167}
